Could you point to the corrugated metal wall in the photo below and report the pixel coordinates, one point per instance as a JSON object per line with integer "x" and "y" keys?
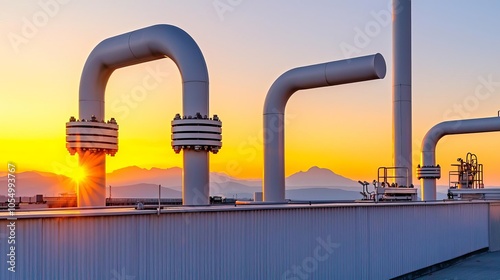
{"x": 339, "y": 242}
{"x": 495, "y": 226}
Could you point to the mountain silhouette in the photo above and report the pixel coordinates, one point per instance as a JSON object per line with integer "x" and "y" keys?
{"x": 319, "y": 177}
{"x": 170, "y": 177}
{"x": 31, "y": 183}
{"x": 134, "y": 181}
{"x": 143, "y": 191}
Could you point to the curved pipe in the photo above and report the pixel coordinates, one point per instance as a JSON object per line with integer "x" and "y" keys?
{"x": 314, "y": 76}
{"x": 147, "y": 44}
{"x": 429, "y": 143}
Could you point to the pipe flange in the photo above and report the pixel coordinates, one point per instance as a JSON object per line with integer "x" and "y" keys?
{"x": 429, "y": 172}
{"x": 198, "y": 133}
{"x": 92, "y": 136}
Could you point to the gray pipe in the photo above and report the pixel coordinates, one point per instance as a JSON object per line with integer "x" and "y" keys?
{"x": 314, "y": 76}
{"x": 401, "y": 91}
{"x": 428, "y": 172}
{"x": 147, "y": 44}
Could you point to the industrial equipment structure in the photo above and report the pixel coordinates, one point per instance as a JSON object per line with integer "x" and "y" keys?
{"x": 428, "y": 171}
{"x": 387, "y": 188}
{"x": 197, "y": 134}
{"x": 469, "y": 173}
{"x": 273, "y": 239}
{"x": 193, "y": 132}
{"x": 467, "y": 182}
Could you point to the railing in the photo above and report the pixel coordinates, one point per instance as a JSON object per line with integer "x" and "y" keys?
{"x": 384, "y": 178}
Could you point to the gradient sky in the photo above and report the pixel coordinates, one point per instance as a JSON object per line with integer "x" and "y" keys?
{"x": 247, "y": 45}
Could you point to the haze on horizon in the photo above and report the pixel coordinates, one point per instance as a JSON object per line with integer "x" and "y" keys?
{"x": 247, "y": 45}
{"x": 134, "y": 182}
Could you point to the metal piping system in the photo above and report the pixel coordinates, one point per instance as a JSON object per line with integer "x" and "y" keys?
{"x": 428, "y": 171}
{"x": 401, "y": 93}
{"x": 320, "y": 75}
{"x": 194, "y": 133}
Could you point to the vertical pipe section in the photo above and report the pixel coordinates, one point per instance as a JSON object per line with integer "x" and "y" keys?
{"x": 402, "y": 123}
{"x": 90, "y": 191}
{"x": 314, "y": 76}
{"x": 195, "y": 175}
{"x": 431, "y": 138}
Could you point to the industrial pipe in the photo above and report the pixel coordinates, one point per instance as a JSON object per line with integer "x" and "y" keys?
{"x": 147, "y": 44}
{"x": 314, "y": 76}
{"x": 428, "y": 171}
{"x": 401, "y": 91}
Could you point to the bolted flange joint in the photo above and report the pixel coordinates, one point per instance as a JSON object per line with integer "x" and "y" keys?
{"x": 198, "y": 133}
{"x": 428, "y": 172}
{"x": 95, "y": 136}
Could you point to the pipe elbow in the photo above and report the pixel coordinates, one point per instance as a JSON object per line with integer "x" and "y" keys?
{"x": 162, "y": 40}
{"x": 432, "y": 137}
{"x": 279, "y": 93}
{"x": 142, "y": 45}
{"x": 339, "y": 72}
{"x": 467, "y": 126}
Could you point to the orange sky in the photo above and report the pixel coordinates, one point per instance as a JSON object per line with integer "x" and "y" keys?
{"x": 346, "y": 128}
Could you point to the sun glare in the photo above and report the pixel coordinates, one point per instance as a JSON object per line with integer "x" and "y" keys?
{"x": 78, "y": 174}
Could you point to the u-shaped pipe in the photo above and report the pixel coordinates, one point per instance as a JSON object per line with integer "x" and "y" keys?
{"x": 147, "y": 44}
{"x": 428, "y": 171}
{"x": 320, "y": 75}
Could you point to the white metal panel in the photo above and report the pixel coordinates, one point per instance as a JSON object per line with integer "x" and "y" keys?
{"x": 314, "y": 242}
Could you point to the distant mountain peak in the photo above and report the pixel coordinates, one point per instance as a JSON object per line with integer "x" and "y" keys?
{"x": 319, "y": 169}
{"x": 316, "y": 170}
{"x": 318, "y": 176}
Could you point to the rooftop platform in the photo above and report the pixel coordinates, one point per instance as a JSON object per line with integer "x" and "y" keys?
{"x": 482, "y": 266}
{"x": 167, "y": 209}
{"x": 257, "y": 241}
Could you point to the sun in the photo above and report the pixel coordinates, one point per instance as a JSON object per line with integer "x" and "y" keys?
{"x": 78, "y": 174}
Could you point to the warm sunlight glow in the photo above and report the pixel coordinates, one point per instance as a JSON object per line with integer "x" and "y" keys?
{"x": 347, "y": 129}
{"x": 78, "y": 174}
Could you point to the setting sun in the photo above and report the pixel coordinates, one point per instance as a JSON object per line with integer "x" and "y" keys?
{"x": 78, "y": 174}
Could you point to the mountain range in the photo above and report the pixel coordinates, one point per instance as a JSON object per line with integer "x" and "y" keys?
{"x": 133, "y": 182}
{"x": 315, "y": 183}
